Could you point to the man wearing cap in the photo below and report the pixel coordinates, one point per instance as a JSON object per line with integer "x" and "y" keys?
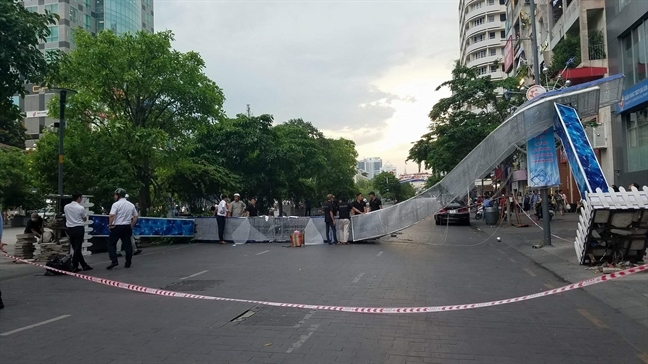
{"x": 237, "y": 207}
{"x": 75, "y": 218}
{"x": 35, "y": 226}
{"x": 133, "y": 244}
{"x": 122, "y": 219}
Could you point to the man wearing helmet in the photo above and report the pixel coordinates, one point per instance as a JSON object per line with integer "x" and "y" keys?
{"x": 122, "y": 219}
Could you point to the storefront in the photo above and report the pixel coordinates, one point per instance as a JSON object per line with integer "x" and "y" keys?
{"x": 632, "y": 114}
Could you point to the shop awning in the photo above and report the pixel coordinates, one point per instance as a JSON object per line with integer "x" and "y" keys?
{"x": 584, "y": 74}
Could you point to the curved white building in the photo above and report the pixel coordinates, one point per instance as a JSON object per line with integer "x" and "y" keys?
{"x": 482, "y": 35}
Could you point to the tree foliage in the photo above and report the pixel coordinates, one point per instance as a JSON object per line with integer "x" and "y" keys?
{"x": 145, "y": 97}
{"x": 390, "y": 187}
{"x": 461, "y": 121}
{"x": 147, "y": 119}
{"x": 20, "y": 61}
{"x": 16, "y": 181}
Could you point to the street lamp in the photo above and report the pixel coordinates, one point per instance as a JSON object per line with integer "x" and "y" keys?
{"x": 63, "y": 92}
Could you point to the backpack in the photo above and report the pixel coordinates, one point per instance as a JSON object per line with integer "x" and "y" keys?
{"x": 61, "y": 263}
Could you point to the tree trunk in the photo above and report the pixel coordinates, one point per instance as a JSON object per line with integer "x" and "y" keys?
{"x": 145, "y": 199}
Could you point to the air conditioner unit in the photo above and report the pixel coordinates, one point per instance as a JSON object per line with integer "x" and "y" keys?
{"x": 599, "y": 139}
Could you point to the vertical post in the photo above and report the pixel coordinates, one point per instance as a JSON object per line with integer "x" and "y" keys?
{"x": 61, "y": 130}
{"x": 546, "y": 222}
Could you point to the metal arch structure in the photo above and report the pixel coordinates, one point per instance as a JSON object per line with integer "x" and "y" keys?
{"x": 528, "y": 121}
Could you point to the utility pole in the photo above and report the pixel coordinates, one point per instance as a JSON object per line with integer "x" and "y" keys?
{"x": 249, "y": 112}
{"x": 544, "y": 192}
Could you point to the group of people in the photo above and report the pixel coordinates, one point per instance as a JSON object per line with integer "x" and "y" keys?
{"x": 331, "y": 208}
{"x": 344, "y": 210}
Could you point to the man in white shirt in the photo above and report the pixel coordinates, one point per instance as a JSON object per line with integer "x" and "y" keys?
{"x": 221, "y": 212}
{"x": 75, "y": 218}
{"x": 121, "y": 221}
{"x": 133, "y": 244}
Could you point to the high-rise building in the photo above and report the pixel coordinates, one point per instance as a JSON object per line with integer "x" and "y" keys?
{"x": 372, "y": 166}
{"x": 627, "y": 37}
{"x": 482, "y": 36}
{"x": 389, "y": 168}
{"x": 121, "y": 16}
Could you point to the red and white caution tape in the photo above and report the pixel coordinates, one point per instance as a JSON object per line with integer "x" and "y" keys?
{"x": 161, "y": 292}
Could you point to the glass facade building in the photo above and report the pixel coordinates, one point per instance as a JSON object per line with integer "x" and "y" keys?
{"x": 627, "y": 35}
{"x": 120, "y": 16}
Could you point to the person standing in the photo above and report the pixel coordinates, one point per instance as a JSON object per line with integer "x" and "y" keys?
{"x": 136, "y": 251}
{"x": 329, "y": 218}
{"x": 374, "y": 202}
{"x": 358, "y": 206}
{"x": 237, "y": 206}
{"x": 2, "y": 249}
{"x": 221, "y": 213}
{"x": 75, "y": 218}
{"x": 252, "y": 210}
{"x": 121, "y": 221}
{"x": 344, "y": 221}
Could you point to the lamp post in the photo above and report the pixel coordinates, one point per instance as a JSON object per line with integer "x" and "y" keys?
{"x": 544, "y": 192}
{"x": 63, "y": 93}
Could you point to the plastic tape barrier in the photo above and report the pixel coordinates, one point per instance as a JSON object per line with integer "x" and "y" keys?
{"x": 161, "y": 292}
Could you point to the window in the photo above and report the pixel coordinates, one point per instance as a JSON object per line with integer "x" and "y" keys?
{"x": 503, "y": 34}
{"x": 502, "y": 2}
{"x": 493, "y": 51}
{"x": 32, "y": 9}
{"x": 86, "y": 21}
{"x": 634, "y": 48}
{"x": 502, "y": 50}
{"x": 478, "y": 22}
{"x": 491, "y": 35}
{"x": 491, "y": 18}
{"x": 491, "y": 2}
{"x": 476, "y": 6}
{"x": 54, "y": 34}
{"x": 482, "y": 70}
{"x": 52, "y": 8}
{"x": 480, "y": 54}
{"x": 637, "y": 140}
{"x": 494, "y": 68}
{"x": 74, "y": 15}
{"x": 502, "y": 17}
{"x": 87, "y": 3}
{"x": 478, "y": 38}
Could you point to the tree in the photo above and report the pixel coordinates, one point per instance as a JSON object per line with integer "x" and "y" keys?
{"x": 364, "y": 187}
{"x": 388, "y": 185}
{"x": 15, "y": 180}
{"x": 20, "y": 61}
{"x": 461, "y": 121}
{"x": 149, "y": 99}
{"x": 337, "y": 174}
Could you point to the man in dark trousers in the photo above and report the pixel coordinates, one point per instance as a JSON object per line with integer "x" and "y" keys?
{"x": 75, "y": 218}
{"x": 329, "y": 218}
{"x": 344, "y": 221}
{"x": 121, "y": 221}
{"x": 374, "y": 202}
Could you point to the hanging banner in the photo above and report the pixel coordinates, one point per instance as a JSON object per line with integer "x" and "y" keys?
{"x": 542, "y": 160}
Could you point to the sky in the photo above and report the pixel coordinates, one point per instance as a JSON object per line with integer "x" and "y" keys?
{"x": 362, "y": 70}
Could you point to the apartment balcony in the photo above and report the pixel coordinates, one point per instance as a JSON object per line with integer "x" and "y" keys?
{"x": 487, "y": 43}
{"x": 488, "y": 9}
{"x": 484, "y": 61}
{"x": 572, "y": 14}
{"x": 495, "y": 26}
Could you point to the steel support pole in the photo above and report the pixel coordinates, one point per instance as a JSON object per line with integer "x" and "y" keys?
{"x": 62, "y": 98}
{"x": 546, "y": 219}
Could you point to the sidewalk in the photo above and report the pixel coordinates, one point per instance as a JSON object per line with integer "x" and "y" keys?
{"x": 629, "y": 295}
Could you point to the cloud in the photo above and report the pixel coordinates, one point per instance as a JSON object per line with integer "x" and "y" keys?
{"x": 364, "y": 70}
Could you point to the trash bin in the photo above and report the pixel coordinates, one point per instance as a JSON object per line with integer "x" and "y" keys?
{"x": 491, "y": 215}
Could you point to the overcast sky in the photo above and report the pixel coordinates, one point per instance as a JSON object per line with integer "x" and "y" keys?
{"x": 363, "y": 70}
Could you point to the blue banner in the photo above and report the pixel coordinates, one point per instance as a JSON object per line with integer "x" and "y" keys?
{"x": 582, "y": 160}
{"x": 633, "y": 97}
{"x": 542, "y": 161}
{"x": 147, "y": 227}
